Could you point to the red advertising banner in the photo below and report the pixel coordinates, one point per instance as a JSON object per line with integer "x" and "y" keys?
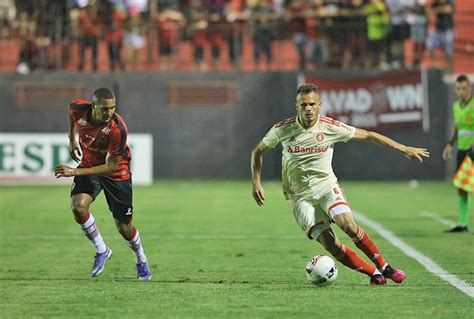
{"x": 378, "y": 102}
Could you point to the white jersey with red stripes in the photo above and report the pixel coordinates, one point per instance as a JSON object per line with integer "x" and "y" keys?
{"x": 307, "y": 154}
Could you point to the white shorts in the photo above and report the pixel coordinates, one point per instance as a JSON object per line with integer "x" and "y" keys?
{"x": 314, "y": 215}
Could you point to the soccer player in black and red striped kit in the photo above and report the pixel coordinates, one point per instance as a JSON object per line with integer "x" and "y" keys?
{"x": 105, "y": 165}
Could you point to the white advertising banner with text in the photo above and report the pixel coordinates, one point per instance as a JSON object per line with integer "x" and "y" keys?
{"x": 30, "y": 158}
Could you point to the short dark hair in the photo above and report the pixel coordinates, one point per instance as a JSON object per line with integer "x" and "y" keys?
{"x": 307, "y": 88}
{"x": 103, "y": 93}
{"x": 462, "y": 78}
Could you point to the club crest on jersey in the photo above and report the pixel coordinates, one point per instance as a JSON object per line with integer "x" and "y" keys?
{"x": 82, "y": 122}
{"x": 319, "y": 137}
{"x": 106, "y": 130}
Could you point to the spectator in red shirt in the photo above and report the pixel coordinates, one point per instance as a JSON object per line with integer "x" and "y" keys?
{"x": 216, "y": 37}
{"x": 169, "y": 23}
{"x": 114, "y": 38}
{"x": 88, "y": 33}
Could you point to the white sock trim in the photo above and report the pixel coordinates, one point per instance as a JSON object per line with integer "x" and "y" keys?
{"x": 92, "y": 233}
{"x": 88, "y": 223}
{"x": 137, "y": 248}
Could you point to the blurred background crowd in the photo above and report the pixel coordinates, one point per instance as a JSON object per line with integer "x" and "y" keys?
{"x": 224, "y": 35}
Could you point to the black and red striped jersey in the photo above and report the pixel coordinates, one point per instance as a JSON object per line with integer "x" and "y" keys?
{"x": 97, "y": 141}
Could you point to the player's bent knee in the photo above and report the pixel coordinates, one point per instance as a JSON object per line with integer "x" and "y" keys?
{"x": 125, "y": 229}
{"x": 346, "y": 223}
{"x": 79, "y": 207}
{"x": 80, "y": 204}
{"x": 332, "y": 248}
{"x": 329, "y": 242}
{"x": 349, "y": 228}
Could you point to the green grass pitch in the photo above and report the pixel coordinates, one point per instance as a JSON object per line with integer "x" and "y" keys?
{"x": 214, "y": 253}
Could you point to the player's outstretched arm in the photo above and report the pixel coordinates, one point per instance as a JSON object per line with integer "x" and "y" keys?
{"x": 408, "y": 151}
{"x": 110, "y": 167}
{"x": 256, "y": 164}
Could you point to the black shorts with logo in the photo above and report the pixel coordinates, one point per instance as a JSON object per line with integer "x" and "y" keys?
{"x": 117, "y": 193}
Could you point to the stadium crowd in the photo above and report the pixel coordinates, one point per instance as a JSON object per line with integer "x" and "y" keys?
{"x": 347, "y": 34}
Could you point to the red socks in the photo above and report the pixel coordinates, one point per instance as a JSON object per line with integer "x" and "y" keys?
{"x": 367, "y": 245}
{"x": 350, "y": 259}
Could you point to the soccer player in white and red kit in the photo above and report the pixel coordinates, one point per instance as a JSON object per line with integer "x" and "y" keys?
{"x": 105, "y": 165}
{"x": 309, "y": 181}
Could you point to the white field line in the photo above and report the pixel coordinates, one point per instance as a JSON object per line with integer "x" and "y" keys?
{"x": 429, "y": 264}
{"x": 438, "y": 218}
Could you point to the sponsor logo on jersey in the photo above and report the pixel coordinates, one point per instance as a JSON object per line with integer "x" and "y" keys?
{"x": 93, "y": 149}
{"x": 313, "y": 149}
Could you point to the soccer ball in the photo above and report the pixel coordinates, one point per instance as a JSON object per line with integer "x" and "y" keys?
{"x": 321, "y": 271}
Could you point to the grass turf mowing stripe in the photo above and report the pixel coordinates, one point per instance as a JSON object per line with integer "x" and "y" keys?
{"x": 426, "y": 262}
